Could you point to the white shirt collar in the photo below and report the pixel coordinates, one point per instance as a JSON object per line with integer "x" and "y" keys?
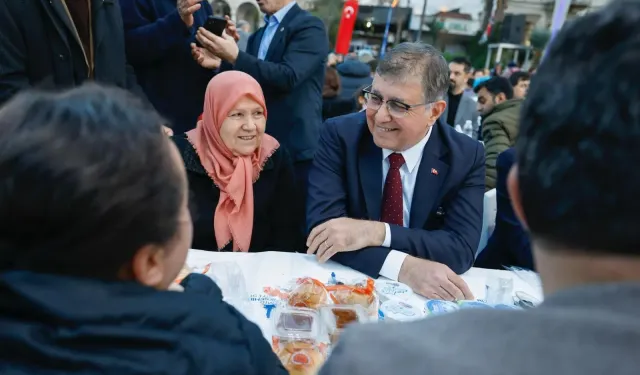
{"x": 411, "y": 155}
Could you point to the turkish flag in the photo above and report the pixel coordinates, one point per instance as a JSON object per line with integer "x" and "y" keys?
{"x": 347, "y": 22}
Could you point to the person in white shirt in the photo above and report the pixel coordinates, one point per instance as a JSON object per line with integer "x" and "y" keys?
{"x": 394, "y": 191}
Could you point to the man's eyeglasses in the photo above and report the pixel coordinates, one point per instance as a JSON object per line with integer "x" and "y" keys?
{"x": 395, "y": 108}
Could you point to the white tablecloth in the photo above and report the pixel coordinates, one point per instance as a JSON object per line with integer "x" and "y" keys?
{"x": 274, "y": 269}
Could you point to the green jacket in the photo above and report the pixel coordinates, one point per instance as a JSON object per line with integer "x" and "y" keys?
{"x": 499, "y": 132}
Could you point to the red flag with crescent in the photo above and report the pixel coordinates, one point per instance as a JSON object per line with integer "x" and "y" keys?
{"x": 347, "y": 23}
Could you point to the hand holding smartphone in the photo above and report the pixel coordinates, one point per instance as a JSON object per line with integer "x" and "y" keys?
{"x": 214, "y": 25}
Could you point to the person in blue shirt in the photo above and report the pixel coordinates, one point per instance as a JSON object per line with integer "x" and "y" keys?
{"x": 157, "y": 37}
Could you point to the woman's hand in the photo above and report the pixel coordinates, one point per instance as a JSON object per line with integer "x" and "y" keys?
{"x": 205, "y": 58}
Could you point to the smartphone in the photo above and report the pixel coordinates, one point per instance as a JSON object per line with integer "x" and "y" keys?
{"x": 216, "y": 25}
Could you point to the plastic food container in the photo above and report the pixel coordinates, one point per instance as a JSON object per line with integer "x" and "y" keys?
{"x": 360, "y": 293}
{"x": 291, "y": 323}
{"x": 295, "y": 340}
{"x": 439, "y": 307}
{"x": 400, "y": 311}
{"x": 335, "y": 318}
{"x": 388, "y": 289}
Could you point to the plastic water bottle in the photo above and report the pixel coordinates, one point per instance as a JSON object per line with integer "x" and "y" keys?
{"x": 468, "y": 128}
{"x": 458, "y": 128}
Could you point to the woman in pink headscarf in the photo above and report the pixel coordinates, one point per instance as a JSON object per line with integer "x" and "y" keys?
{"x": 241, "y": 181}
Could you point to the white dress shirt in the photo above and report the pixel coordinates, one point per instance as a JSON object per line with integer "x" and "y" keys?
{"x": 408, "y": 174}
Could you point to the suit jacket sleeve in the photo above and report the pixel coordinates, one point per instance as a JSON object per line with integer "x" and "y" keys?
{"x": 285, "y": 213}
{"x": 13, "y": 55}
{"x": 327, "y": 199}
{"x": 306, "y": 49}
{"x": 149, "y": 40}
{"x": 496, "y": 141}
{"x": 456, "y": 243}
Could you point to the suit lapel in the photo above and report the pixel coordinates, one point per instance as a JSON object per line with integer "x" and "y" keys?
{"x": 432, "y": 173}
{"x": 370, "y": 170}
{"x": 278, "y": 36}
{"x": 462, "y": 109}
{"x": 255, "y": 43}
{"x": 58, "y": 13}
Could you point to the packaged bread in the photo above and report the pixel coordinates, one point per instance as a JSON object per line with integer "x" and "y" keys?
{"x": 336, "y": 318}
{"x": 296, "y": 333}
{"x": 360, "y": 293}
{"x": 301, "y": 358}
{"x": 309, "y": 293}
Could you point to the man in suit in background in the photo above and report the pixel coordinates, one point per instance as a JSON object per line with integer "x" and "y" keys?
{"x": 423, "y": 227}
{"x": 287, "y": 57}
{"x": 575, "y": 185}
{"x": 461, "y": 107}
{"x": 509, "y": 244}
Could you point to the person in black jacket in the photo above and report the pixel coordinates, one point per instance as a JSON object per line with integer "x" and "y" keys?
{"x": 243, "y": 187}
{"x": 95, "y": 229}
{"x": 60, "y": 44}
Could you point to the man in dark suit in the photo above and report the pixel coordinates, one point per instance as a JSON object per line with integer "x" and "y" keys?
{"x": 56, "y": 44}
{"x": 509, "y": 244}
{"x": 287, "y": 57}
{"x": 423, "y": 227}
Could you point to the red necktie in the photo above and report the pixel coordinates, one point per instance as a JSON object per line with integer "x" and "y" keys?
{"x": 392, "y": 194}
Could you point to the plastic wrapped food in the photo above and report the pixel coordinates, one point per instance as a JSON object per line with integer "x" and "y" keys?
{"x": 359, "y": 293}
{"x": 388, "y": 289}
{"x": 309, "y": 293}
{"x": 296, "y": 333}
{"x": 337, "y": 317}
{"x": 300, "y": 357}
{"x": 400, "y": 311}
{"x": 439, "y": 307}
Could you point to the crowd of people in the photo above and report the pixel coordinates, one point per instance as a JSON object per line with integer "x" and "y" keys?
{"x": 266, "y": 142}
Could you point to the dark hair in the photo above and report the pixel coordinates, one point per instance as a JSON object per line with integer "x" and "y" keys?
{"x": 516, "y": 77}
{"x": 462, "y": 61}
{"x": 408, "y": 60}
{"x": 496, "y": 85}
{"x": 578, "y": 147}
{"x": 332, "y": 85}
{"x": 86, "y": 180}
{"x": 470, "y": 82}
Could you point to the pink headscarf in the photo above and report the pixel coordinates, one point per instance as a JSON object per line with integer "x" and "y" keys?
{"x": 234, "y": 175}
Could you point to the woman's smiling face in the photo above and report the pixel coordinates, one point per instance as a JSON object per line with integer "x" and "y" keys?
{"x": 244, "y": 126}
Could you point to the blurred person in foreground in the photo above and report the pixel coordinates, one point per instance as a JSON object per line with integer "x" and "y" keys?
{"x": 500, "y": 121}
{"x": 520, "y": 82}
{"x": 287, "y": 57}
{"x": 157, "y": 35}
{"x": 95, "y": 229}
{"x": 240, "y": 180}
{"x": 575, "y": 187}
{"x": 461, "y": 106}
{"x": 395, "y": 191}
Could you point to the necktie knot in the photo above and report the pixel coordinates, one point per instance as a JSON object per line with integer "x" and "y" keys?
{"x": 396, "y": 161}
